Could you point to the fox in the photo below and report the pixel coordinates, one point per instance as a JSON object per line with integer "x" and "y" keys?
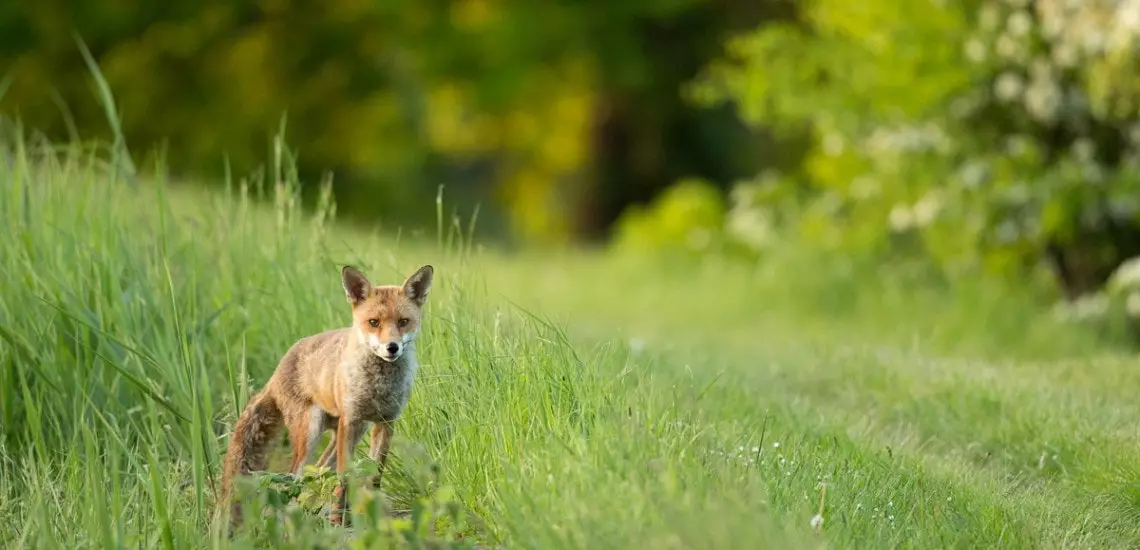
{"x": 341, "y": 380}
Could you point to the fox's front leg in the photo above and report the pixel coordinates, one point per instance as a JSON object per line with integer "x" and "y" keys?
{"x": 348, "y": 434}
{"x": 378, "y": 449}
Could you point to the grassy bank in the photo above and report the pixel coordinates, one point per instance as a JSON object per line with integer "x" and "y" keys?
{"x": 566, "y": 400}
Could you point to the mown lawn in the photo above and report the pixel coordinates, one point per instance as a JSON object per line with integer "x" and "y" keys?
{"x": 566, "y": 400}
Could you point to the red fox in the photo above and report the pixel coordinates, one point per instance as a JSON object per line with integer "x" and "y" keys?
{"x": 341, "y": 380}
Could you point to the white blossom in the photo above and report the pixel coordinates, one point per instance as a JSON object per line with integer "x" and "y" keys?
{"x": 1083, "y": 149}
{"x": 1019, "y": 24}
{"x": 1007, "y": 47}
{"x": 901, "y": 218}
{"x": 1127, "y": 275}
{"x": 1132, "y": 304}
{"x": 1065, "y": 56}
{"x": 1043, "y": 98}
{"x": 1008, "y": 86}
{"x": 926, "y": 209}
{"x": 833, "y": 144}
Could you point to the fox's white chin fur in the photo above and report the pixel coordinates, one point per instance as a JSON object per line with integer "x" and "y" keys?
{"x": 383, "y": 355}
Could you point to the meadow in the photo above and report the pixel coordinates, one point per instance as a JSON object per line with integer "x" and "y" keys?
{"x": 569, "y": 399}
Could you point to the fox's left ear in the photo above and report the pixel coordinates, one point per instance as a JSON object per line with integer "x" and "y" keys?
{"x": 416, "y": 287}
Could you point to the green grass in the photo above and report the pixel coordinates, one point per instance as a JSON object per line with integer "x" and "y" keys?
{"x": 566, "y": 399}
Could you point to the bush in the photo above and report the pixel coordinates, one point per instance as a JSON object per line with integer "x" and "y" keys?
{"x": 982, "y": 135}
{"x": 686, "y": 218}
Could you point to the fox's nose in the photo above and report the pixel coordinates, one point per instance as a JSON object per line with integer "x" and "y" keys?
{"x": 393, "y": 347}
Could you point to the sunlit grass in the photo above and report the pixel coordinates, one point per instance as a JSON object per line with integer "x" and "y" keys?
{"x": 568, "y": 400}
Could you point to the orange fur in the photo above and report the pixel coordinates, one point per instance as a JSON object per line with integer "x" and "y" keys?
{"x": 340, "y": 379}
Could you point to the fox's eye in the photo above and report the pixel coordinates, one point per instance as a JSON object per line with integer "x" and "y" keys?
{"x": 403, "y": 322}
{"x": 374, "y": 322}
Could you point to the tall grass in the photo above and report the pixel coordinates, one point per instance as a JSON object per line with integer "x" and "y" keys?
{"x": 565, "y": 401}
{"x": 138, "y": 320}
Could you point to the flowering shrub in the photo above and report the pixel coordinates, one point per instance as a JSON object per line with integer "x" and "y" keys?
{"x": 986, "y": 135}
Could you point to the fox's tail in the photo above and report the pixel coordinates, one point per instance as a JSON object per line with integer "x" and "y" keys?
{"x": 258, "y": 424}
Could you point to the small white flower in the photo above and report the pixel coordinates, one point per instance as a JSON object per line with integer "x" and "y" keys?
{"x": 833, "y": 144}
{"x": 1127, "y": 274}
{"x": 1090, "y": 306}
{"x": 1007, "y": 47}
{"x": 816, "y": 522}
{"x": 973, "y": 174}
{"x": 1083, "y": 149}
{"x": 1093, "y": 43}
{"x": 926, "y": 209}
{"x": 1064, "y": 56}
{"x": 1043, "y": 99}
{"x": 1008, "y": 87}
{"x": 900, "y": 218}
{"x": 751, "y": 226}
{"x": 1051, "y": 26}
{"x": 1132, "y": 305}
{"x": 1128, "y": 17}
{"x": 776, "y": 444}
{"x": 1019, "y": 23}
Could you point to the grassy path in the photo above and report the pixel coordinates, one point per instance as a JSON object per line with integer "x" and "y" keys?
{"x": 997, "y": 447}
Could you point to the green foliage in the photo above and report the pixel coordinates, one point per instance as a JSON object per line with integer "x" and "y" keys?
{"x": 980, "y": 134}
{"x": 277, "y": 505}
{"x": 686, "y": 218}
{"x": 500, "y": 99}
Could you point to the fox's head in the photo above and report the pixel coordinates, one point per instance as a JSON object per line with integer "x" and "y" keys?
{"x": 387, "y": 318}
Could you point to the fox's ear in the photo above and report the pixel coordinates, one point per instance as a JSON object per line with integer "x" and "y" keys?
{"x": 417, "y": 286}
{"x": 357, "y": 287}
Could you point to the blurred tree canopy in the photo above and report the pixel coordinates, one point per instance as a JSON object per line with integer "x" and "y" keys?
{"x": 997, "y": 135}
{"x": 554, "y": 115}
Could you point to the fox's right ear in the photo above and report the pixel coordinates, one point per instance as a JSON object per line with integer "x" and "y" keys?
{"x": 357, "y": 287}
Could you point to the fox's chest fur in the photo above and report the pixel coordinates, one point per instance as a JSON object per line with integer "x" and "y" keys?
{"x": 378, "y": 390}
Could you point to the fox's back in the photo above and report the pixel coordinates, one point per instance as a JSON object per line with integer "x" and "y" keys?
{"x": 307, "y": 372}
